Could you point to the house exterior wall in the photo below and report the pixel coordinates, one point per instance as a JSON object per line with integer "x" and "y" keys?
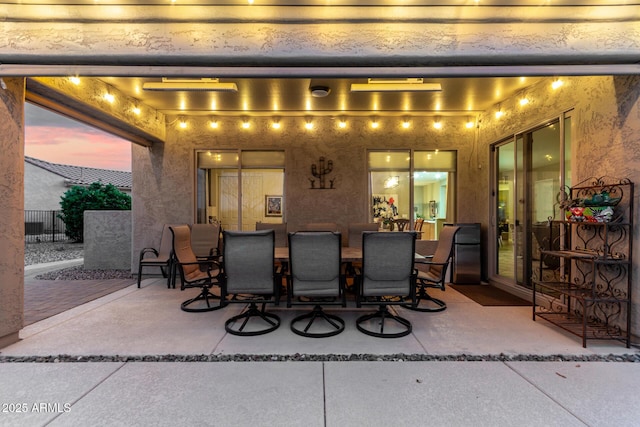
{"x": 164, "y": 176}
{"x": 11, "y": 210}
{"x": 42, "y": 189}
{"x": 605, "y": 138}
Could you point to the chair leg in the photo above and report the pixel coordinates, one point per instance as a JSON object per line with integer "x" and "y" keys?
{"x": 318, "y": 313}
{"x": 205, "y": 295}
{"x": 272, "y": 320}
{"x": 434, "y": 304}
{"x": 383, "y": 314}
{"x": 139, "y": 274}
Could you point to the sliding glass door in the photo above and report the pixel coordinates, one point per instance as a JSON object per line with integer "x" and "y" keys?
{"x": 530, "y": 170}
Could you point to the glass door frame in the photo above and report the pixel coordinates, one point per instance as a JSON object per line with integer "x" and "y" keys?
{"x": 522, "y": 195}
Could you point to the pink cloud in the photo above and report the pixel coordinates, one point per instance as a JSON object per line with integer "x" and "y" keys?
{"x": 78, "y": 146}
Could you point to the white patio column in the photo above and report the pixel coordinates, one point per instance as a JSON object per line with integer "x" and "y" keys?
{"x": 11, "y": 209}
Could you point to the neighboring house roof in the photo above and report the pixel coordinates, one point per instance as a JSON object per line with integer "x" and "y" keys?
{"x": 79, "y": 175}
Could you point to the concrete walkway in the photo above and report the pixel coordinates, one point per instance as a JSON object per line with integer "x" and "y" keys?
{"x": 134, "y": 358}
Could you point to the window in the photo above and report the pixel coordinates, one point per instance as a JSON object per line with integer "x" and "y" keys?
{"x": 413, "y": 184}
{"x": 233, "y": 185}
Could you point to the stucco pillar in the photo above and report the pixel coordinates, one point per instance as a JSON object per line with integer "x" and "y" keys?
{"x": 11, "y": 209}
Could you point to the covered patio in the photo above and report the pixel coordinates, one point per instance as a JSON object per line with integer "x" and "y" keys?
{"x": 133, "y": 357}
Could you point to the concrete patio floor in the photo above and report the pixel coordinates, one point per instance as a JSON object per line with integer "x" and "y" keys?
{"x": 299, "y": 382}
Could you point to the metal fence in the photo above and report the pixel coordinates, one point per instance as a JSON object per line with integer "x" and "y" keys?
{"x": 43, "y": 226}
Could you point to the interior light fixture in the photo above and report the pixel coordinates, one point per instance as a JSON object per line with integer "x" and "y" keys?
{"x": 499, "y": 113}
{"x": 308, "y": 125}
{"x": 275, "y": 124}
{"x": 437, "y": 123}
{"x": 342, "y": 123}
{"x": 75, "y": 80}
{"x": 556, "y": 84}
{"x": 203, "y": 84}
{"x": 109, "y": 97}
{"x": 182, "y": 123}
{"x": 396, "y": 85}
{"x": 392, "y": 182}
{"x": 375, "y": 124}
{"x": 246, "y": 124}
{"x": 136, "y": 110}
{"x": 213, "y": 123}
{"x": 406, "y": 123}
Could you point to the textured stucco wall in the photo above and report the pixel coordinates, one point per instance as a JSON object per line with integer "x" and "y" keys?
{"x": 347, "y": 36}
{"x": 11, "y": 210}
{"x": 605, "y": 138}
{"x": 163, "y": 176}
{"x": 107, "y": 240}
{"x": 42, "y": 189}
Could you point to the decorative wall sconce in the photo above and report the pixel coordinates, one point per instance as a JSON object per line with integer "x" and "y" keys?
{"x": 319, "y": 171}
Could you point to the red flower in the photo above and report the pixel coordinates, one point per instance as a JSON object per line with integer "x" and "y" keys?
{"x": 391, "y": 200}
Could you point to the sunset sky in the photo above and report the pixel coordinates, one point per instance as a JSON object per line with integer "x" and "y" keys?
{"x": 57, "y": 139}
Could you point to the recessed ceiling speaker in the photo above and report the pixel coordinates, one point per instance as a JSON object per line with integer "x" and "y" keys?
{"x": 319, "y": 91}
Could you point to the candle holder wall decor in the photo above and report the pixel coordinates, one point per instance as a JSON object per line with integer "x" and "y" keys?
{"x": 319, "y": 171}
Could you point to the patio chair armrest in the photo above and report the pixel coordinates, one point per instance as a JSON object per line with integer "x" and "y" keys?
{"x": 145, "y": 251}
{"x": 424, "y": 260}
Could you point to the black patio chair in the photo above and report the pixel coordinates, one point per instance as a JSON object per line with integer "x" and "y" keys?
{"x": 250, "y": 277}
{"x": 387, "y": 278}
{"x": 315, "y": 279}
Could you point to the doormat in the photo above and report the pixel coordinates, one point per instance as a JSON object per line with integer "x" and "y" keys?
{"x": 488, "y": 295}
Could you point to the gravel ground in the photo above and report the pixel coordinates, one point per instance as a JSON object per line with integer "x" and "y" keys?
{"x": 38, "y": 253}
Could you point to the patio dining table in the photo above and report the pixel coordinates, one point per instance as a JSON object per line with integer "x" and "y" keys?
{"x": 349, "y": 254}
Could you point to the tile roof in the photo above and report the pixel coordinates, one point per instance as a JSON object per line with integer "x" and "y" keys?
{"x": 79, "y": 175}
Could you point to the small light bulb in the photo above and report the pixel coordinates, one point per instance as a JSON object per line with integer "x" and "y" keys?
{"x": 437, "y": 125}
{"x": 213, "y": 124}
{"x": 342, "y": 124}
{"x": 183, "y": 124}
{"x": 309, "y": 125}
{"x": 136, "y": 110}
{"x": 406, "y": 124}
{"x": 499, "y": 114}
{"x": 275, "y": 125}
{"x": 109, "y": 98}
{"x": 556, "y": 84}
{"x": 75, "y": 80}
{"x": 524, "y": 101}
{"x": 245, "y": 125}
{"x": 374, "y": 125}
{"x": 469, "y": 124}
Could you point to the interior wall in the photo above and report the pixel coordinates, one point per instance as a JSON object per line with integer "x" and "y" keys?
{"x": 605, "y": 137}
{"x": 164, "y": 181}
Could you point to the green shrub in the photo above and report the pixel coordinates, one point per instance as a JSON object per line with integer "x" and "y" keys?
{"x": 95, "y": 197}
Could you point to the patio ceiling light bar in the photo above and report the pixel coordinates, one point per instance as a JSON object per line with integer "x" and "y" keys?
{"x": 204, "y": 84}
{"x": 396, "y": 85}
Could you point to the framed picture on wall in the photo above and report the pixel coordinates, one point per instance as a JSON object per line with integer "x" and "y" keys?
{"x": 273, "y": 206}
